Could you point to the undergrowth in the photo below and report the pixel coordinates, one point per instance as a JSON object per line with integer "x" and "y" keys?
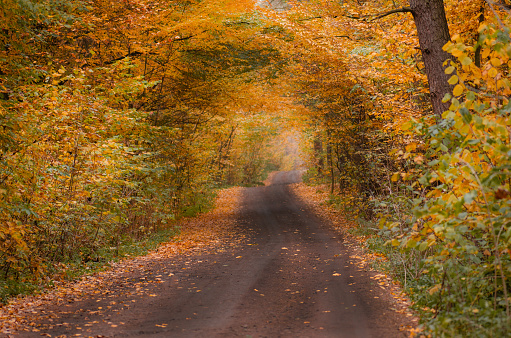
{"x": 462, "y": 303}
{"x": 90, "y": 259}
{"x": 80, "y": 265}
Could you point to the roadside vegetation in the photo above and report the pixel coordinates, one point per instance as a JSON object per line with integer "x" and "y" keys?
{"x": 118, "y": 118}
{"x": 431, "y": 188}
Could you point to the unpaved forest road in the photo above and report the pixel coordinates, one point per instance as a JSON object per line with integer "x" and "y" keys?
{"x": 291, "y": 278}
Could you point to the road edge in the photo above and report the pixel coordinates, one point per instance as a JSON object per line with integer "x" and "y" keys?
{"x": 315, "y": 198}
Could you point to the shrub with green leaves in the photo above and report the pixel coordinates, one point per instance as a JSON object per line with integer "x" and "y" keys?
{"x": 462, "y": 220}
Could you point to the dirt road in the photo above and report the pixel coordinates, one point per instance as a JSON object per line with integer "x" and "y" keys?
{"x": 291, "y": 278}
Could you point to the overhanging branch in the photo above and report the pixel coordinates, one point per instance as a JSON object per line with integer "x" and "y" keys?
{"x": 312, "y": 18}
{"x": 394, "y": 11}
{"x": 334, "y": 36}
{"x": 370, "y": 17}
{"x": 183, "y": 38}
{"x": 135, "y": 53}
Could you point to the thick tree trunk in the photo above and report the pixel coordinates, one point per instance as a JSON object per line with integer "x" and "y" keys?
{"x": 433, "y": 32}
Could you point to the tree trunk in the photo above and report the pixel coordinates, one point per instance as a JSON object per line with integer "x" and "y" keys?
{"x": 433, "y": 32}
{"x": 477, "y": 58}
{"x": 330, "y": 160}
{"x": 318, "y": 154}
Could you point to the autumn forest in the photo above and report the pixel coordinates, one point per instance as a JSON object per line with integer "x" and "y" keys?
{"x": 119, "y": 118}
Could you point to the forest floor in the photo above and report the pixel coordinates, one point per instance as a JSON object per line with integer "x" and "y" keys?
{"x": 263, "y": 263}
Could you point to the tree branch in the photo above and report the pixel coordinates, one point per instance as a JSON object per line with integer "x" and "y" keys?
{"x": 491, "y": 3}
{"x": 378, "y": 16}
{"x": 504, "y": 6}
{"x": 368, "y": 18}
{"x": 307, "y": 19}
{"x": 184, "y": 38}
{"x": 394, "y": 11}
{"x": 335, "y": 36}
{"x": 135, "y": 53}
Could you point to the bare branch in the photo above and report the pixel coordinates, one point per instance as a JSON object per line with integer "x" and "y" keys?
{"x": 135, "y": 53}
{"x": 394, "y": 11}
{"x": 335, "y": 36}
{"x": 312, "y": 18}
{"x": 372, "y": 16}
{"x": 480, "y": 92}
{"x": 491, "y": 3}
{"x": 183, "y": 38}
{"x": 502, "y": 5}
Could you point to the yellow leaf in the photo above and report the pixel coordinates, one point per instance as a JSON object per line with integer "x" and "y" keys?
{"x": 458, "y": 90}
{"x": 412, "y": 243}
{"x": 496, "y": 62}
{"x": 453, "y": 80}
{"x": 411, "y": 147}
{"x": 465, "y": 61}
{"x": 405, "y": 126}
{"x": 435, "y": 289}
{"x": 457, "y": 53}
{"x": 395, "y": 177}
{"x": 482, "y": 27}
{"x": 449, "y": 70}
{"x": 493, "y": 72}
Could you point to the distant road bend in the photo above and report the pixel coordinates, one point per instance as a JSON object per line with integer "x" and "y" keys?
{"x": 291, "y": 278}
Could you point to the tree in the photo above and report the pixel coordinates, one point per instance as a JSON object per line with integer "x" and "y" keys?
{"x": 433, "y": 32}
{"x": 443, "y": 180}
{"x": 111, "y": 116}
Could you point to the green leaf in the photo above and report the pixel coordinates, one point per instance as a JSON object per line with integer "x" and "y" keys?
{"x": 411, "y": 243}
{"x": 470, "y": 196}
{"x": 465, "y": 113}
{"x": 433, "y": 163}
